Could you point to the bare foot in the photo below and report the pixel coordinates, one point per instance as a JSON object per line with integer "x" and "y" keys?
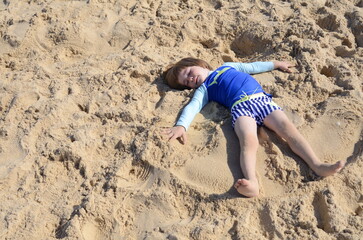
{"x": 248, "y": 188}
{"x": 327, "y": 169}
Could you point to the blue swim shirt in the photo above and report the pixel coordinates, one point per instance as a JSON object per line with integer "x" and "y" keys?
{"x": 226, "y": 85}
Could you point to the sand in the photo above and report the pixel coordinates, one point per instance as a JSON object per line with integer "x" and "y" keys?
{"x": 82, "y": 106}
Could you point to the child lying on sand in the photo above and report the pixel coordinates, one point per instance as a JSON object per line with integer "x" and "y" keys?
{"x": 232, "y": 86}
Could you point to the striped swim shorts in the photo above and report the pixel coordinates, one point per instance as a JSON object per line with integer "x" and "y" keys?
{"x": 258, "y": 106}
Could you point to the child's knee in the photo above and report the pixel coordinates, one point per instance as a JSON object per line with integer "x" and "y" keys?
{"x": 285, "y": 127}
{"x": 248, "y": 140}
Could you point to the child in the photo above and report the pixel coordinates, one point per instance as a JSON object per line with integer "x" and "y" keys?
{"x": 232, "y": 86}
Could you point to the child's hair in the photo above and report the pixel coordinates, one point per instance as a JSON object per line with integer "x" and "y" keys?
{"x": 170, "y": 76}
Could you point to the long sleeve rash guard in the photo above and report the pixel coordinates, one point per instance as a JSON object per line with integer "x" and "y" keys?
{"x": 200, "y": 97}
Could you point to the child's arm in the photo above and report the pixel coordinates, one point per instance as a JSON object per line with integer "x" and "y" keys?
{"x": 199, "y": 100}
{"x": 259, "y": 67}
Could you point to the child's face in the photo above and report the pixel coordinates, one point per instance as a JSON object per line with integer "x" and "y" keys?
{"x": 193, "y": 76}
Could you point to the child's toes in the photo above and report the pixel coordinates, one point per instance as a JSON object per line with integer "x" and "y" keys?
{"x": 238, "y": 183}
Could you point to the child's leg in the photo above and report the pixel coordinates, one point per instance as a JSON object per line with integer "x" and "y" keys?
{"x": 278, "y": 122}
{"x": 246, "y": 130}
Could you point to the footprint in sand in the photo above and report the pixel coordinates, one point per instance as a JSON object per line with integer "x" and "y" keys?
{"x": 11, "y": 155}
{"x": 92, "y": 231}
{"x": 11, "y": 150}
{"x": 139, "y": 176}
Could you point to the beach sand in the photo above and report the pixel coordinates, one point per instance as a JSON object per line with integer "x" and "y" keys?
{"x": 82, "y": 105}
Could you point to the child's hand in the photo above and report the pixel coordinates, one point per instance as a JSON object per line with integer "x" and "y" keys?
{"x": 177, "y": 132}
{"x": 283, "y": 66}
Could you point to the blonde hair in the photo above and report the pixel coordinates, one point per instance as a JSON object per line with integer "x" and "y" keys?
{"x": 170, "y": 75}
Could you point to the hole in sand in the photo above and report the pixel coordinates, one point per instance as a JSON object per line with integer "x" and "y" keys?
{"x": 328, "y": 71}
{"x": 329, "y": 23}
{"x": 250, "y": 42}
{"x": 347, "y": 43}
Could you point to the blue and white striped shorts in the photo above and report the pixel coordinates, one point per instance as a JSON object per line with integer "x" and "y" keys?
{"x": 257, "y": 108}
